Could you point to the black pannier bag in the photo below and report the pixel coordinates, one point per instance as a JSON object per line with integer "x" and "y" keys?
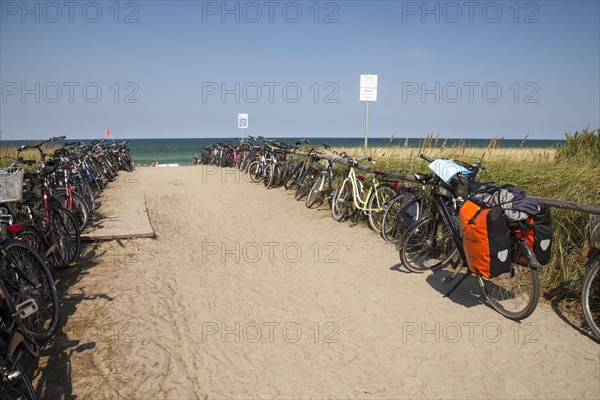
{"x": 540, "y": 235}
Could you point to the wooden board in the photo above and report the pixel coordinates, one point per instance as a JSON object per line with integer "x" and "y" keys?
{"x": 122, "y": 214}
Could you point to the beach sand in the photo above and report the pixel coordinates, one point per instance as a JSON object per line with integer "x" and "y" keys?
{"x": 245, "y": 293}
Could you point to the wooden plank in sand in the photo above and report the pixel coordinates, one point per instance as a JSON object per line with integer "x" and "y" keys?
{"x": 122, "y": 214}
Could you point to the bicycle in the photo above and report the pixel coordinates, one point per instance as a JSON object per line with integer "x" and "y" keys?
{"x": 350, "y": 196}
{"x": 322, "y": 189}
{"x": 64, "y": 191}
{"x": 50, "y": 230}
{"x": 25, "y": 274}
{"x": 275, "y": 163}
{"x": 404, "y": 209}
{"x": 15, "y": 342}
{"x": 590, "y": 295}
{"x": 433, "y": 241}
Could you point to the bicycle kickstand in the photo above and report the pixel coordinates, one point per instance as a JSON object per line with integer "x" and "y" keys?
{"x": 457, "y": 284}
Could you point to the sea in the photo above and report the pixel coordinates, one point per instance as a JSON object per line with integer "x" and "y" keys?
{"x": 182, "y": 151}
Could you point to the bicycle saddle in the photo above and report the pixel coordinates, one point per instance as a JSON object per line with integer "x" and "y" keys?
{"x": 423, "y": 178}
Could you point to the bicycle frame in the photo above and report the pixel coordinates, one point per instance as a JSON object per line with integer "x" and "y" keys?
{"x": 439, "y": 208}
{"x": 327, "y": 175}
{"x": 359, "y": 203}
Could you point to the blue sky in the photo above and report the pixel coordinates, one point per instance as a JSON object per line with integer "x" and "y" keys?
{"x": 186, "y": 68}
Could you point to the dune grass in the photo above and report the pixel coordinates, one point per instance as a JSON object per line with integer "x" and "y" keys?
{"x": 9, "y": 154}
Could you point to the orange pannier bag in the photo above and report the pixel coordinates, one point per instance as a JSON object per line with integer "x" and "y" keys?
{"x": 486, "y": 239}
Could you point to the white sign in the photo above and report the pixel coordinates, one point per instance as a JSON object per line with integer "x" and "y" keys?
{"x": 242, "y": 121}
{"x": 368, "y": 88}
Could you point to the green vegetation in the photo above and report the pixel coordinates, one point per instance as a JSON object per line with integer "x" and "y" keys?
{"x": 9, "y": 154}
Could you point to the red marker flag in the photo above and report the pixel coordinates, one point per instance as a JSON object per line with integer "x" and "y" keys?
{"x": 107, "y": 132}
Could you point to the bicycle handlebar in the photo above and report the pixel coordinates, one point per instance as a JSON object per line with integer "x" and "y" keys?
{"x": 21, "y": 161}
{"x": 424, "y": 157}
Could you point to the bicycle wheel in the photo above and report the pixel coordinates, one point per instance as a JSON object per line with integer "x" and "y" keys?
{"x": 268, "y": 173}
{"x": 378, "y": 202}
{"x": 274, "y": 176}
{"x": 316, "y": 195}
{"x": 37, "y": 284}
{"x": 277, "y": 176}
{"x": 88, "y": 195}
{"x": 77, "y": 207}
{"x": 400, "y": 214}
{"x": 19, "y": 387}
{"x": 65, "y": 234}
{"x": 590, "y": 297}
{"x": 303, "y": 185}
{"x": 32, "y": 238}
{"x": 514, "y": 294}
{"x": 342, "y": 202}
{"x": 255, "y": 172}
{"x": 291, "y": 174}
{"x": 424, "y": 248}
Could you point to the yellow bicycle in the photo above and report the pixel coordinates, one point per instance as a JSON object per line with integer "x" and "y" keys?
{"x": 351, "y": 197}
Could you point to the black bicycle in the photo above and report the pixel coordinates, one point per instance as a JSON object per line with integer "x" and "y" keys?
{"x": 590, "y": 296}
{"x": 15, "y": 342}
{"x": 435, "y": 241}
{"x": 322, "y": 188}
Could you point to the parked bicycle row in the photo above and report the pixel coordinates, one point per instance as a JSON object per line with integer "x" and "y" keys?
{"x": 443, "y": 220}
{"x": 45, "y": 203}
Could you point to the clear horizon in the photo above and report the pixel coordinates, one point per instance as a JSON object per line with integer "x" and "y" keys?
{"x": 466, "y": 70}
{"x": 398, "y": 138}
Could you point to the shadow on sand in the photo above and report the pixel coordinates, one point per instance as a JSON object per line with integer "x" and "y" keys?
{"x": 54, "y": 379}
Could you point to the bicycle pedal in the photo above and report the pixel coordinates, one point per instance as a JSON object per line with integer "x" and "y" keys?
{"x": 447, "y": 279}
{"x": 26, "y": 308}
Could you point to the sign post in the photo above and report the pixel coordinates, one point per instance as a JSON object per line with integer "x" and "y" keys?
{"x": 368, "y": 93}
{"x": 242, "y": 120}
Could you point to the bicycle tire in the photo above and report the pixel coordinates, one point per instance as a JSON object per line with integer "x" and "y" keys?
{"x": 523, "y": 280}
{"x": 386, "y": 193}
{"x": 288, "y": 182}
{"x": 32, "y": 237}
{"x": 20, "y": 388}
{"x": 402, "y": 211}
{"x": 275, "y": 176}
{"x": 254, "y": 172}
{"x": 419, "y": 252}
{"x": 268, "y": 174}
{"x": 43, "y": 323}
{"x": 302, "y": 186}
{"x": 79, "y": 208}
{"x": 315, "y": 197}
{"x": 293, "y": 170}
{"x": 88, "y": 195}
{"x": 591, "y": 290}
{"x": 342, "y": 201}
{"x": 65, "y": 229}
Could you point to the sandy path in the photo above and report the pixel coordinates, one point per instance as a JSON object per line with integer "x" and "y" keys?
{"x": 247, "y": 294}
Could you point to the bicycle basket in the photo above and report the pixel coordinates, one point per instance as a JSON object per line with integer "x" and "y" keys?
{"x": 11, "y": 185}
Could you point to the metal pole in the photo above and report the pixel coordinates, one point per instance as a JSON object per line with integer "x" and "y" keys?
{"x": 366, "y": 128}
